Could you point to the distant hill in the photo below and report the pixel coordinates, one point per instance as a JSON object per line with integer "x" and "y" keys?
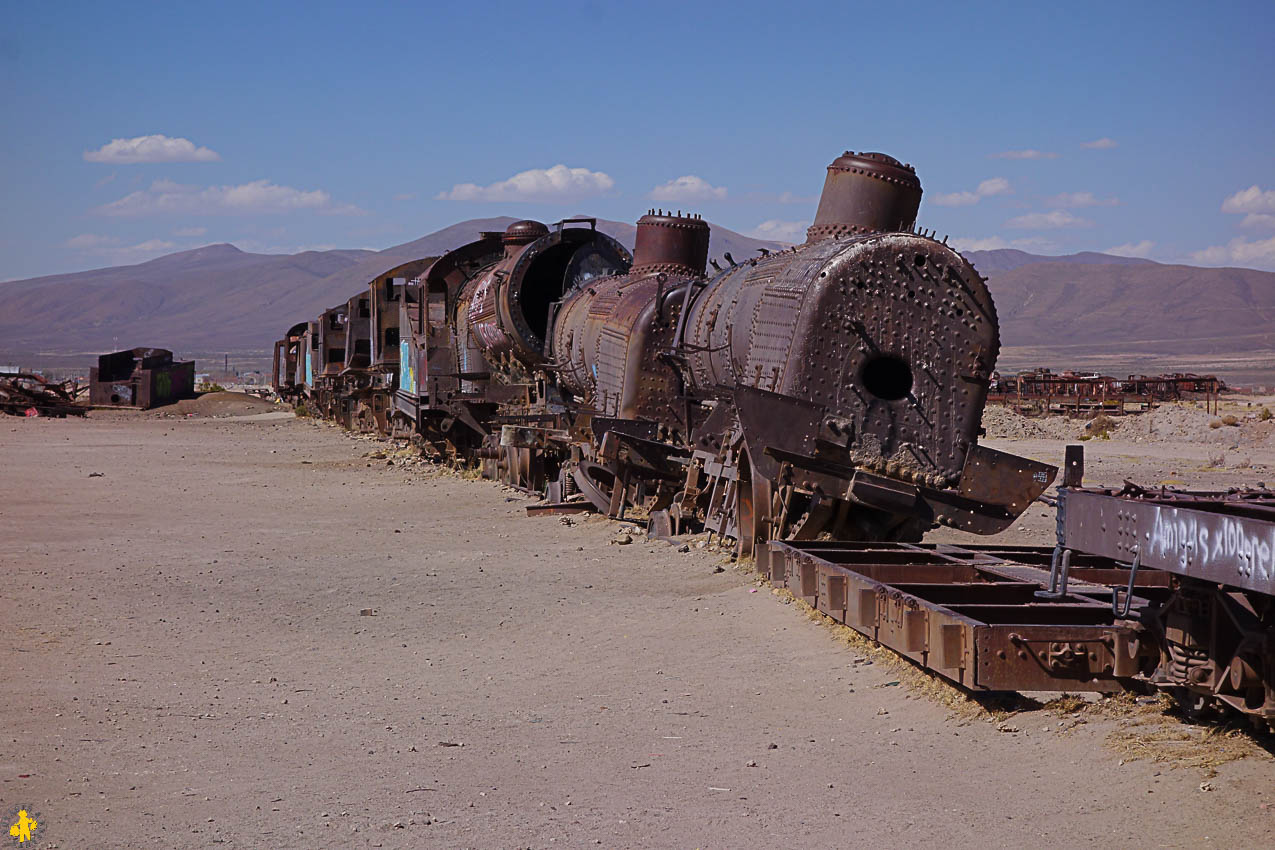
{"x": 1159, "y": 308}
{"x": 1008, "y": 259}
{"x": 218, "y": 298}
{"x": 1124, "y": 315}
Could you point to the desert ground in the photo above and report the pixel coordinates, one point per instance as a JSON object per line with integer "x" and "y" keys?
{"x": 224, "y": 626}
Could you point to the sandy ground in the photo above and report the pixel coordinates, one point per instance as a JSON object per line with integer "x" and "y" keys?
{"x": 187, "y": 664}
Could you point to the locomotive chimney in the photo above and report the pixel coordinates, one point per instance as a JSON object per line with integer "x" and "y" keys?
{"x": 522, "y": 233}
{"x": 866, "y": 193}
{"x": 674, "y": 244}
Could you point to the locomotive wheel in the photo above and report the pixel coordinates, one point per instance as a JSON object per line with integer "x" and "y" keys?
{"x": 401, "y": 427}
{"x": 364, "y": 420}
{"x": 752, "y": 511}
{"x": 596, "y": 483}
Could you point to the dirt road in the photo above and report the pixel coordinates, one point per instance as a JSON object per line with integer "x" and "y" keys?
{"x": 188, "y": 663}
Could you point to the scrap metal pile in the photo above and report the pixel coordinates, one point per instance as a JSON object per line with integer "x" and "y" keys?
{"x": 1040, "y": 392}
{"x": 26, "y": 394}
{"x": 819, "y": 407}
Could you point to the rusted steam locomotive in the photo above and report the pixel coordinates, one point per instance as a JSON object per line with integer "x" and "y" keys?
{"x": 831, "y": 390}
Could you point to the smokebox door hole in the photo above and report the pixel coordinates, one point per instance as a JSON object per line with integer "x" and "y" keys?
{"x": 887, "y": 376}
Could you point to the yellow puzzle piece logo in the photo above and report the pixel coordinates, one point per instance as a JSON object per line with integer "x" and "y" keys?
{"x": 24, "y": 827}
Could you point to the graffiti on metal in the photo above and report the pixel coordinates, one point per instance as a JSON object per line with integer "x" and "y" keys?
{"x": 1215, "y": 544}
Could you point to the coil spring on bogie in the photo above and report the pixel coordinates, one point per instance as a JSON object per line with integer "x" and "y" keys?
{"x": 1182, "y": 660}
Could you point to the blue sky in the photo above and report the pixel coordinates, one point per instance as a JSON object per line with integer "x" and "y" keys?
{"x": 1145, "y": 128}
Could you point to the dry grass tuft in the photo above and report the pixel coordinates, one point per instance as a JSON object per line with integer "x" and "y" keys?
{"x": 1068, "y": 704}
{"x": 1151, "y": 729}
{"x": 1163, "y": 738}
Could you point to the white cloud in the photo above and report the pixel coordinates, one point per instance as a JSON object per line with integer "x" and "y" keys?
{"x": 687, "y": 188}
{"x": 557, "y": 184}
{"x": 1259, "y": 221}
{"x": 1036, "y": 244}
{"x": 972, "y": 243}
{"x": 157, "y": 148}
{"x": 109, "y": 248}
{"x": 986, "y": 189}
{"x": 190, "y": 231}
{"x": 780, "y": 231}
{"x": 1250, "y": 200}
{"x": 994, "y": 186}
{"x": 1030, "y": 153}
{"x": 1047, "y": 221}
{"x": 259, "y": 196}
{"x": 957, "y": 199}
{"x": 1081, "y": 199}
{"x": 1239, "y": 252}
{"x": 1132, "y": 249}
{"x": 151, "y": 247}
{"x": 1103, "y": 144}
{"x": 90, "y": 242}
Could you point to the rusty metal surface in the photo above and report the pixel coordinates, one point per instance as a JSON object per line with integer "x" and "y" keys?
{"x": 866, "y": 193}
{"x": 970, "y": 615}
{"x": 358, "y": 332}
{"x": 388, "y": 291}
{"x": 331, "y": 349}
{"x": 286, "y": 371}
{"x": 894, "y": 334}
{"x": 507, "y": 308}
{"x": 673, "y": 244}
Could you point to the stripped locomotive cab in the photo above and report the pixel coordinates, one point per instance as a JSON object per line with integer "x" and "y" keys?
{"x": 831, "y": 390}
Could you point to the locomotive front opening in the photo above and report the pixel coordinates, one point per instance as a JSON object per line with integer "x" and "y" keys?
{"x": 544, "y": 282}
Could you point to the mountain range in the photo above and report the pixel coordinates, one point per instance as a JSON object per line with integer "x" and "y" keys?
{"x": 219, "y": 298}
{"x": 1085, "y": 310}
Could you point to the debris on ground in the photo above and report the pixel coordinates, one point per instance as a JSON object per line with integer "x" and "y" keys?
{"x": 25, "y": 394}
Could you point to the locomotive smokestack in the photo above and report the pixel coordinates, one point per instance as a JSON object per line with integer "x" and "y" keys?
{"x": 674, "y": 244}
{"x": 523, "y": 233}
{"x": 866, "y": 193}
